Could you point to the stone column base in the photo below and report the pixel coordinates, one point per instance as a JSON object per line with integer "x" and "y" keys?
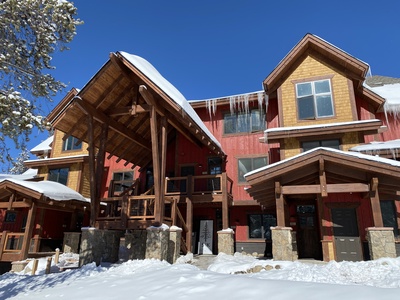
{"x": 226, "y": 241}
{"x": 381, "y": 242}
{"x": 71, "y": 242}
{"x": 174, "y": 246}
{"x": 99, "y": 246}
{"x": 282, "y": 244}
{"x": 157, "y": 243}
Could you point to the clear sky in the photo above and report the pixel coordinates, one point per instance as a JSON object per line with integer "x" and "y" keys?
{"x": 217, "y": 48}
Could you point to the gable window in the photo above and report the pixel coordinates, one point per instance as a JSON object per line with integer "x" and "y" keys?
{"x": 314, "y": 99}
{"x": 389, "y": 216}
{"x": 122, "y": 181}
{"x": 246, "y": 165}
{"x": 242, "y": 122}
{"x": 72, "y": 143}
{"x": 59, "y": 175}
{"x": 260, "y": 226}
{"x": 308, "y": 145}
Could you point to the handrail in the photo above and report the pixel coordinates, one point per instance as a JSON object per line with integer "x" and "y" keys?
{"x": 13, "y": 242}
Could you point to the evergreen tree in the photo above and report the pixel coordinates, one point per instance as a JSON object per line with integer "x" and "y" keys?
{"x": 31, "y": 31}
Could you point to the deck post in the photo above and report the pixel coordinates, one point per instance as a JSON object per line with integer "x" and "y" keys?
{"x": 225, "y": 203}
{"x": 280, "y": 205}
{"x": 28, "y": 231}
{"x": 189, "y": 213}
{"x": 2, "y": 242}
{"x": 375, "y": 205}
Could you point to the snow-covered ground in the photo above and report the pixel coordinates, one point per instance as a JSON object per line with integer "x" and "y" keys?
{"x": 228, "y": 277}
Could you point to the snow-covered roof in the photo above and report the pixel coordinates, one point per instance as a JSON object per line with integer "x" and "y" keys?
{"x": 386, "y": 161}
{"x": 28, "y": 174}
{"x": 148, "y": 70}
{"x": 50, "y": 189}
{"x": 388, "y": 145}
{"x": 391, "y": 93}
{"x": 43, "y": 146}
{"x": 56, "y": 158}
{"x": 327, "y": 125}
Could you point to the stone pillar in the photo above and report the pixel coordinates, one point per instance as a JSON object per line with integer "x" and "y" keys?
{"x": 174, "y": 247}
{"x": 381, "y": 242}
{"x": 71, "y": 242}
{"x": 135, "y": 244}
{"x": 226, "y": 241}
{"x": 282, "y": 244}
{"x": 99, "y": 246}
{"x": 157, "y": 243}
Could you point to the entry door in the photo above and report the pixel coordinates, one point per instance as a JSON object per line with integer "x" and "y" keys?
{"x": 308, "y": 240}
{"x": 347, "y": 238}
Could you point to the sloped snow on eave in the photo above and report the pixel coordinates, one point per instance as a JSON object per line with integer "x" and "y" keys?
{"x": 151, "y": 72}
{"x": 43, "y": 146}
{"x": 50, "y": 189}
{"x": 28, "y": 174}
{"x": 386, "y": 161}
{"x": 376, "y": 148}
{"x": 391, "y": 94}
{"x": 327, "y": 125}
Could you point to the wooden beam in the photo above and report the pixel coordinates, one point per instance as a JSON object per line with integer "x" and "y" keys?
{"x": 92, "y": 171}
{"x": 322, "y": 178}
{"x": 128, "y": 110}
{"x": 102, "y": 118}
{"x": 163, "y": 159}
{"x": 330, "y": 188}
{"x": 30, "y": 222}
{"x": 375, "y": 204}
{"x": 280, "y": 205}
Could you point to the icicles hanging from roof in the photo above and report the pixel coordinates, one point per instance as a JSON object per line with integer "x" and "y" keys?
{"x": 211, "y": 107}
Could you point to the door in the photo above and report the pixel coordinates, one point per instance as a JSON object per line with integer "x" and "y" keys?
{"x": 308, "y": 241}
{"x": 346, "y": 236}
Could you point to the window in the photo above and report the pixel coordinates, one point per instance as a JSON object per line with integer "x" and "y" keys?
{"x": 314, "y": 100}
{"x": 72, "y": 143}
{"x": 246, "y": 165}
{"x": 260, "y": 226}
{"x": 242, "y": 122}
{"x": 389, "y": 215}
{"x": 335, "y": 144}
{"x": 122, "y": 181}
{"x": 59, "y": 175}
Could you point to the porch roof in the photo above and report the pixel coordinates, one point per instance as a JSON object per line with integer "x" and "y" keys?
{"x": 337, "y": 167}
{"x": 116, "y": 96}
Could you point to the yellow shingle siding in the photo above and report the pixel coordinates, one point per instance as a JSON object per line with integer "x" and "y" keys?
{"x": 310, "y": 69}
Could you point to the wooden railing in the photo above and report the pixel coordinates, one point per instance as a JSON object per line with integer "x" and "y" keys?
{"x": 11, "y": 244}
{"x": 198, "y": 185}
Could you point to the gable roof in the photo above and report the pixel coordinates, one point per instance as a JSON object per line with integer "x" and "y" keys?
{"x": 312, "y": 45}
{"x": 112, "y": 97}
{"x": 339, "y": 167}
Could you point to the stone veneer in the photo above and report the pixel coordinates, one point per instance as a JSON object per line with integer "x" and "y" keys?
{"x": 381, "y": 242}
{"x": 157, "y": 243}
{"x": 283, "y": 247}
{"x": 135, "y": 244}
{"x": 71, "y": 242}
{"x": 226, "y": 241}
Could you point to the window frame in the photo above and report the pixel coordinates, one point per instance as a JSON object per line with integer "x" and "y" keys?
{"x": 314, "y": 97}
{"x": 252, "y": 158}
{"x": 249, "y": 119}
{"x": 120, "y": 182}
{"x": 51, "y": 178}
{"x": 71, "y": 144}
{"x": 264, "y": 234}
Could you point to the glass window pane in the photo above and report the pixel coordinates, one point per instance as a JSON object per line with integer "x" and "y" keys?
{"x": 59, "y": 175}
{"x": 243, "y": 122}
{"x": 389, "y": 218}
{"x": 322, "y": 87}
{"x": 118, "y": 176}
{"x": 306, "y": 108}
{"x": 324, "y": 106}
{"x": 244, "y": 166}
{"x": 229, "y": 123}
{"x": 259, "y": 162}
{"x": 304, "y": 89}
{"x": 335, "y": 144}
{"x": 255, "y": 226}
{"x": 257, "y": 120}
{"x": 310, "y": 145}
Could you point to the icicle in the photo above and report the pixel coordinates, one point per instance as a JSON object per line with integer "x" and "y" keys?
{"x": 214, "y": 106}
{"x": 232, "y": 104}
{"x": 246, "y": 104}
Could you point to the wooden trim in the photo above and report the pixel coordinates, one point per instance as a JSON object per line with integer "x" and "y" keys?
{"x": 280, "y": 107}
{"x": 352, "y": 99}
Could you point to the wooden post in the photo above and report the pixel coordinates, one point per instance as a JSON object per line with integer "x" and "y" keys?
{"x": 375, "y": 204}
{"x": 280, "y": 205}
{"x": 101, "y": 157}
{"x": 57, "y": 256}
{"x": 163, "y": 161}
{"x": 2, "y": 242}
{"x": 34, "y": 266}
{"x": 92, "y": 171}
{"x": 189, "y": 223}
{"x": 225, "y": 203}
{"x": 48, "y": 265}
{"x": 28, "y": 231}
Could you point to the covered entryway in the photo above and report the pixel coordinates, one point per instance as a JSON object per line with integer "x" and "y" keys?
{"x": 338, "y": 182}
{"x": 346, "y": 234}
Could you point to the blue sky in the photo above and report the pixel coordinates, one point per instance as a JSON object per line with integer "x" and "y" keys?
{"x": 217, "y": 48}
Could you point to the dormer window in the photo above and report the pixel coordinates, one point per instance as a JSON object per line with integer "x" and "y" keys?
{"x": 314, "y": 100}
{"x": 72, "y": 143}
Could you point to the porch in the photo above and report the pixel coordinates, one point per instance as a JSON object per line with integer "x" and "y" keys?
{"x": 130, "y": 211}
